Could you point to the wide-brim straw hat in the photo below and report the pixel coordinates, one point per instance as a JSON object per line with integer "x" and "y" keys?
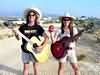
{"x": 35, "y": 10}
{"x": 67, "y": 16}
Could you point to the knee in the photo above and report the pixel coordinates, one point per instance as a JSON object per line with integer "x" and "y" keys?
{"x": 76, "y": 68}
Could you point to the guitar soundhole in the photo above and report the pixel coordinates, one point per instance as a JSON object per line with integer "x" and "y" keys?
{"x": 35, "y": 45}
{"x": 57, "y": 50}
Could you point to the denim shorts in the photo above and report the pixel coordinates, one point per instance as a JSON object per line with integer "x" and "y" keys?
{"x": 27, "y": 57}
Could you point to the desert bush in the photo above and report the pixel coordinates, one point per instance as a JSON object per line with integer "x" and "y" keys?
{"x": 81, "y": 57}
{"x": 97, "y": 34}
{"x": 46, "y": 22}
{"x": 6, "y": 36}
{"x": 2, "y": 25}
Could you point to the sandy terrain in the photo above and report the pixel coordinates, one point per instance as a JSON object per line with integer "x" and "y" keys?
{"x": 11, "y": 64}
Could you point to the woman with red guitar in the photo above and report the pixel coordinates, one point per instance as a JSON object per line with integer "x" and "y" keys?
{"x": 67, "y": 29}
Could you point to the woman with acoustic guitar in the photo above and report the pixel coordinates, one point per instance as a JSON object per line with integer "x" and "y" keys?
{"x": 67, "y": 29}
{"x": 30, "y": 29}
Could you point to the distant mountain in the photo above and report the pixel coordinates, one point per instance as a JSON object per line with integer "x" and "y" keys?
{"x": 51, "y": 15}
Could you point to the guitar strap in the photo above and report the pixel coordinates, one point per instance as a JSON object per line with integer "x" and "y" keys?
{"x": 71, "y": 32}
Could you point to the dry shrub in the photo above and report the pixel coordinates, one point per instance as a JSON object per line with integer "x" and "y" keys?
{"x": 81, "y": 57}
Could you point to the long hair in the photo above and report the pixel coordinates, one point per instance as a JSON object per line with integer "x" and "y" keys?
{"x": 27, "y": 17}
{"x": 70, "y": 27}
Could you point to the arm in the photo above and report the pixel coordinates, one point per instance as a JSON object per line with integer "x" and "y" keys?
{"x": 76, "y": 34}
{"x": 46, "y": 38}
{"x": 20, "y": 29}
{"x": 16, "y": 35}
{"x": 51, "y": 37}
{"x": 54, "y": 36}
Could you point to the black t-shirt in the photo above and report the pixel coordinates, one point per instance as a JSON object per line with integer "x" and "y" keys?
{"x": 29, "y": 32}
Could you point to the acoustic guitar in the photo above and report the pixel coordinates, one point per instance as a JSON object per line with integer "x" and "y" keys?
{"x": 40, "y": 56}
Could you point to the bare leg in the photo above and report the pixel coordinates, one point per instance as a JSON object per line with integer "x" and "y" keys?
{"x": 26, "y": 69}
{"x": 76, "y": 69}
{"x": 35, "y": 68}
{"x": 61, "y": 69}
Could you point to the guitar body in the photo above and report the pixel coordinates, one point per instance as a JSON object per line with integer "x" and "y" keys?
{"x": 41, "y": 56}
{"x": 60, "y": 48}
{"x": 57, "y": 50}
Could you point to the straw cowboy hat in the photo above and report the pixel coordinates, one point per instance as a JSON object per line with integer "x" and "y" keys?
{"x": 36, "y": 10}
{"x": 67, "y": 16}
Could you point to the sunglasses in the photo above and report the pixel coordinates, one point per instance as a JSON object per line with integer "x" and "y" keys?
{"x": 31, "y": 15}
{"x": 66, "y": 19}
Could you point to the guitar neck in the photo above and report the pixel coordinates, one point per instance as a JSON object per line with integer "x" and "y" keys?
{"x": 18, "y": 32}
{"x": 23, "y": 36}
{"x": 75, "y": 37}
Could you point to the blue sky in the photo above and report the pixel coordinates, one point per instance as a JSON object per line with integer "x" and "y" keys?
{"x": 75, "y": 7}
